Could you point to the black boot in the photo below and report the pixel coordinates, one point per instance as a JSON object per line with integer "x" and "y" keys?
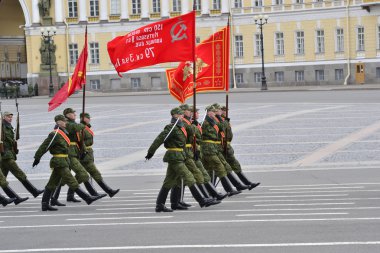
{"x": 107, "y": 189}
{"x": 214, "y": 192}
{"x": 71, "y": 197}
{"x": 203, "y": 202}
{"x": 88, "y": 198}
{"x": 236, "y": 182}
{"x": 161, "y": 199}
{"x": 228, "y": 187}
{"x": 45, "y": 206}
{"x": 92, "y": 190}
{"x": 175, "y": 196}
{"x": 204, "y": 191}
{"x": 5, "y": 201}
{"x": 14, "y": 195}
{"x": 245, "y": 181}
{"x": 33, "y": 190}
{"x": 54, "y": 198}
{"x": 181, "y": 201}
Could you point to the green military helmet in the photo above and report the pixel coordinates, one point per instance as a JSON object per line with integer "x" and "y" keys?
{"x": 216, "y": 106}
{"x": 68, "y": 110}
{"x": 185, "y": 107}
{"x": 176, "y": 110}
{"x": 59, "y": 117}
{"x": 86, "y": 115}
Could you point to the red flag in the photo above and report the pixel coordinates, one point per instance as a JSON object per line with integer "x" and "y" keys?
{"x": 169, "y": 40}
{"x": 212, "y": 68}
{"x": 75, "y": 82}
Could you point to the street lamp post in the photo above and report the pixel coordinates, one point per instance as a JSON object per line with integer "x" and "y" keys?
{"x": 260, "y": 21}
{"x": 47, "y": 35}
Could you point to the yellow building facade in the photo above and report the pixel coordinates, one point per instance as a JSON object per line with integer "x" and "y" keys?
{"x": 305, "y": 42}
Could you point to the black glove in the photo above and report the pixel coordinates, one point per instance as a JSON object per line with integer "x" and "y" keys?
{"x": 36, "y": 161}
{"x": 16, "y": 151}
{"x": 148, "y": 156}
{"x": 83, "y": 155}
{"x": 195, "y": 122}
{"x": 197, "y": 155}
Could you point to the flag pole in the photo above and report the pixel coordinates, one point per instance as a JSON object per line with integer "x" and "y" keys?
{"x": 228, "y": 79}
{"x": 84, "y": 86}
{"x": 194, "y": 72}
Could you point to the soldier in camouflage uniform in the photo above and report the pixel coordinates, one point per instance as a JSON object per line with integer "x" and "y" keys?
{"x": 229, "y": 154}
{"x": 174, "y": 138}
{"x": 8, "y": 162}
{"x": 58, "y": 144}
{"x": 75, "y": 134}
{"x": 87, "y": 160}
{"x": 193, "y": 162}
{"x": 212, "y": 158}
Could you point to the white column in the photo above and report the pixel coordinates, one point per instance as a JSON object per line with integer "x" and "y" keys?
{"x": 225, "y": 7}
{"x": 124, "y": 10}
{"x": 185, "y": 6}
{"x": 35, "y": 12}
{"x": 82, "y": 10}
{"x": 58, "y": 11}
{"x": 145, "y": 9}
{"x": 103, "y": 10}
{"x": 165, "y": 8}
{"x": 205, "y": 7}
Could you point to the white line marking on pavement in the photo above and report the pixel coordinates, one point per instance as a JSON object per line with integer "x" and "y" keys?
{"x": 310, "y": 204}
{"x": 286, "y": 214}
{"x": 123, "y": 218}
{"x": 337, "y": 145}
{"x": 323, "y": 188}
{"x": 314, "y": 185}
{"x": 297, "y": 196}
{"x": 315, "y": 191}
{"x": 189, "y": 222}
{"x": 206, "y": 246}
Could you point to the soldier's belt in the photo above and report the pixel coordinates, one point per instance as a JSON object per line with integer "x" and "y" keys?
{"x": 189, "y": 145}
{"x": 228, "y": 142}
{"x": 61, "y": 155}
{"x": 73, "y": 144}
{"x": 175, "y": 149}
{"x": 89, "y": 147}
{"x": 214, "y": 142}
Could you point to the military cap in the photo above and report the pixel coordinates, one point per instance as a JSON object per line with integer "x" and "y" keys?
{"x": 59, "y": 117}
{"x": 210, "y": 108}
{"x": 216, "y": 106}
{"x": 86, "y": 115}
{"x": 68, "y": 110}
{"x": 185, "y": 107}
{"x": 192, "y": 108}
{"x": 176, "y": 110}
{"x": 7, "y": 113}
{"x": 224, "y": 108}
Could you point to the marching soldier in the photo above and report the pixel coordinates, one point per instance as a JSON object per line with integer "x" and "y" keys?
{"x": 58, "y": 144}
{"x": 8, "y": 162}
{"x": 174, "y": 138}
{"x": 229, "y": 154}
{"x": 74, "y": 133}
{"x": 212, "y": 158}
{"x": 88, "y": 160}
{"x": 9, "y": 191}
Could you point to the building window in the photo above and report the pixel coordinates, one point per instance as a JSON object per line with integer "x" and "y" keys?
{"x": 73, "y": 52}
{"x": 216, "y": 4}
{"x": 300, "y": 42}
{"x": 378, "y": 37}
{"x": 177, "y": 5}
{"x": 238, "y": 4}
{"x": 279, "y": 43}
{"x": 320, "y": 40}
{"x": 360, "y": 41}
{"x": 197, "y": 40}
{"x": 115, "y": 7}
{"x": 278, "y": 2}
{"x": 258, "y": 3}
{"x": 339, "y": 40}
{"x": 239, "y": 78}
{"x": 239, "y": 49}
{"x": 94, "y": 52}
{"x": 257, "y": 76}
{"x": 73, "y": 8}
{"x": 136, "y": 6}
{"x": 299, "y": 2}
{"x": 156, "y": 6}
{"x": 95, "y": 84}
{"x": 299, "y": 76}
{"x": 279, "y": 76}
{"x": 320, "y": 75}
{"x": 378, "y": 72}
{"x": 135, "y": 83}
{"x": 198, "y": 5}
{"x": 338, "y": 74}
{"x": 94, "y": 8}
{"x": 257, "y": 48}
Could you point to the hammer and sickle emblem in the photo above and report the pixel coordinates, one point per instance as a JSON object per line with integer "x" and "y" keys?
{"x": 181, "y": 33}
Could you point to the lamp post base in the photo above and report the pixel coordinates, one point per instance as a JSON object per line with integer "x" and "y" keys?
{"x": 264, "y": 83}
